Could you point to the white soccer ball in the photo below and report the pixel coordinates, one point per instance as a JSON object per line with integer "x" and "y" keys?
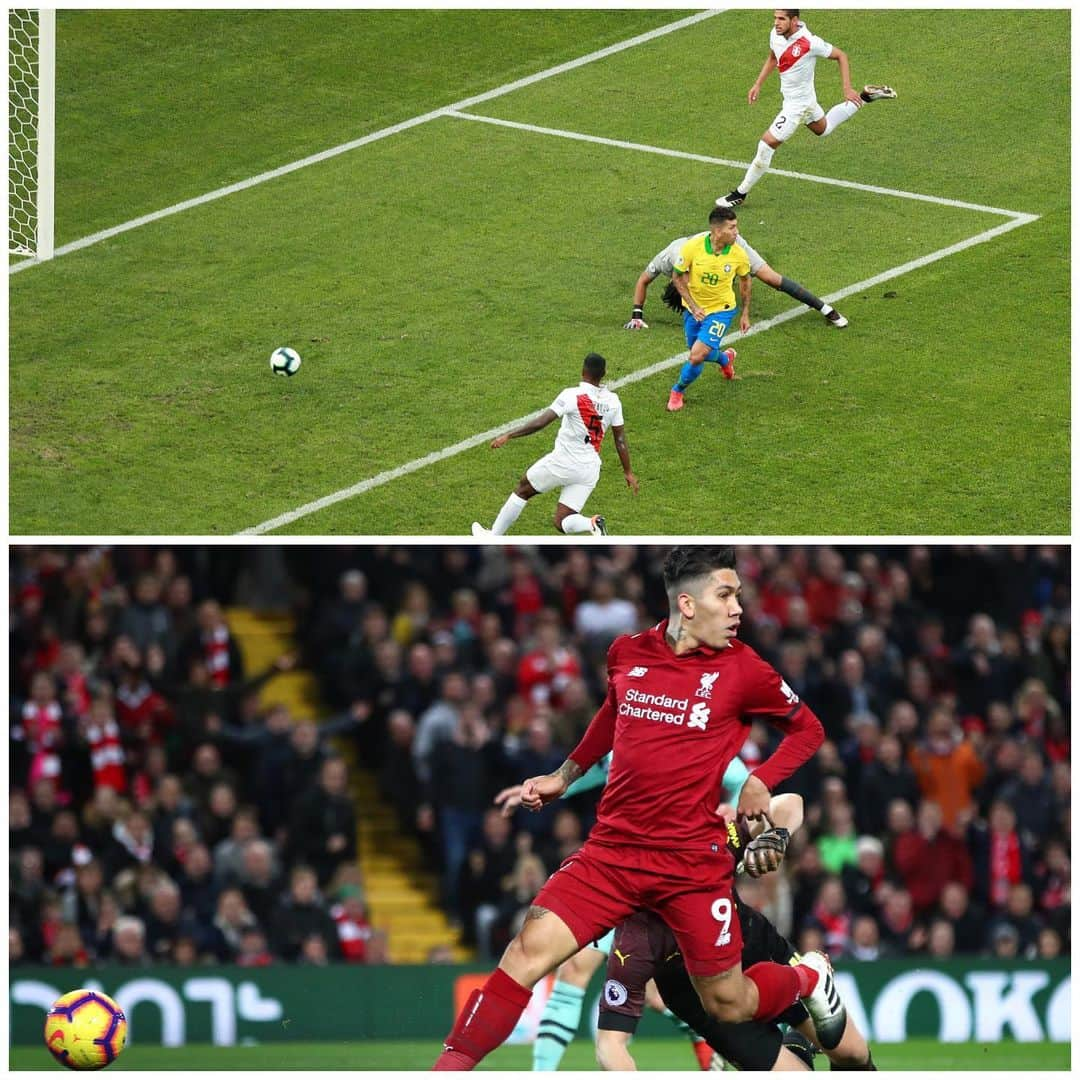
{"x": 284, "y": 361}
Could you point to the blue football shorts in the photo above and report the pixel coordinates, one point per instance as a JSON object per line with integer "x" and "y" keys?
{"x": 710, "y": 330}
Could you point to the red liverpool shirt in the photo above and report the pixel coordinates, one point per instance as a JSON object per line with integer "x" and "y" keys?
{"x": 674, "y": 724}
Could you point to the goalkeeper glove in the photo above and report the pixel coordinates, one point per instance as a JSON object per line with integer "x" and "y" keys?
{"x": 765, "y": 853}
{"x": 636, "y": 321}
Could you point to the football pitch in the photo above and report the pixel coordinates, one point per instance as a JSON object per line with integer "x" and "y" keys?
{"x": 443, "y": 275}
{"x": 651, "y": 1055}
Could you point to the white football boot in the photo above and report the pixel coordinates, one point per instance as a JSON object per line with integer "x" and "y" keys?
{"x": 823, "y": 1003}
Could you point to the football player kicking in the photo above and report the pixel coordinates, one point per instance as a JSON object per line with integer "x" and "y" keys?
{"x": 680, "y": 700}
{"x": 664, "y": 263}
{"x": 794, "y": 52}
{"x": 644, "y": 949}
{"x": 562, "y": 1011}
{"x": 587, "y": 411}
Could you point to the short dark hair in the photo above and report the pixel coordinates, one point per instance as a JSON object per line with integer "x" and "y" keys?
{"x": 791, "y": 12}
{"x": 685, "y": 564}
{"x": 722, "y": 213}
{"x": 594, "y": 366}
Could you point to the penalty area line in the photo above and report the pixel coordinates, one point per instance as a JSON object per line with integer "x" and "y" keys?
{"x": 635, "y": 376}
{"x": 686, "y": 155}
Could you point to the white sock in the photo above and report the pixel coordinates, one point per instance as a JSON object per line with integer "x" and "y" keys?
{"x": 826, "y": 309}
{"x": 837, "y": 115}
{"x": 758, "y": 167}
{"x": 509, "y": 513}
{"x": 576, "y": 523}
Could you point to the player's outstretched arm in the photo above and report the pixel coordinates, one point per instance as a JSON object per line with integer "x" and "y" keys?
{"x": 509, "y": 799}
{"x": 637, "y": 316}
{"x": 745, "y": 285}
{"x": 537, "y": 423}
{"x": 599, "y": 736}
{"x": 754, "y": 798}
{"x": 622, "y": 448}
{"x": 679, "y": 279}
{"x": 766, "y": 70}
{"x": 803, "y": 733}
{"x": 850, "y": 93}
{"x": 540, "y": 790}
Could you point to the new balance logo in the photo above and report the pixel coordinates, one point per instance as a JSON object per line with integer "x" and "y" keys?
{"x": 636, "y": 672}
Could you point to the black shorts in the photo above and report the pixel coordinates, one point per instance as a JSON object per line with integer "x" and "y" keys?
{"x": 761, "y": 942}
{"x": 753, "y": 1044}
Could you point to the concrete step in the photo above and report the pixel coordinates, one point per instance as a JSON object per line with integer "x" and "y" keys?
{"x": 418, "y": 953}
{"x": 399, "y": 888}
{"x": 417, "y": 923}
{"x": 245, "y": 618}
{"x": 298, "y": 690}
{"x": 392, "y": 906}
{"x": 389, "y": 861}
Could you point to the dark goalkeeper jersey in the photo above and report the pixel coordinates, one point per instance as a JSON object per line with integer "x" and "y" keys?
{"x": 674, "y": 723}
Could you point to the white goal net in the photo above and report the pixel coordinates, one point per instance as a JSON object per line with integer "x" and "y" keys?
{"x": 31, "y": 89}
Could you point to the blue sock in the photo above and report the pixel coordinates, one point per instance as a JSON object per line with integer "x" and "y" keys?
{"x": 558, "y": 1025}
{"x": 688, "y": 374}
{"x": 719, "y": 357}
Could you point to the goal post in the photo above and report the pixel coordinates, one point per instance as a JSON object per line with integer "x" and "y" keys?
{"x": 31, "y": 131}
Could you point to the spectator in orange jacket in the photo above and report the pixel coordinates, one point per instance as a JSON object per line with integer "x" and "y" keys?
{"x": 947, "y": 767}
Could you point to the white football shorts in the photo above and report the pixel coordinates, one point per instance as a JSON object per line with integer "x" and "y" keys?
{"x": 576, "y": 478}
{"x": 792, "y": 115}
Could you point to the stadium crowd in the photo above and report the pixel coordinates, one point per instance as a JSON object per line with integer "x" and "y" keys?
{"x": 158, "y": 814}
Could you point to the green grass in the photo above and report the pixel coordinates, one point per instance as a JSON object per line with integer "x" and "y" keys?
{"x": 449, "y": 278}
{"x": 651, "y": 1055}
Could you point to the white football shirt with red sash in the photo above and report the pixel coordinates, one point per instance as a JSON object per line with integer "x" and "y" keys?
{"x": 587, "y": 412}
{"x": 796, "y": 58}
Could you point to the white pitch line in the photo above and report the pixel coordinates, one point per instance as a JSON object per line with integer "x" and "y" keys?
{"x": 382, "y": 133}
{"x": 635, "y": 376}
{"x": 643, "y": 148}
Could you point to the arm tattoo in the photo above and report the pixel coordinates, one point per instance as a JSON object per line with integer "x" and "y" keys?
{"x": 536, "y": 912}
{"x": 569, "y": 771}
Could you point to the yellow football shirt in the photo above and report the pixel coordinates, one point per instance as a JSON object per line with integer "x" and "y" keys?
{"x": 712, "y": 273}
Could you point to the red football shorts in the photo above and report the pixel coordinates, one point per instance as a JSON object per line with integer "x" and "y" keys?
{"x": 600, "y": 885}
